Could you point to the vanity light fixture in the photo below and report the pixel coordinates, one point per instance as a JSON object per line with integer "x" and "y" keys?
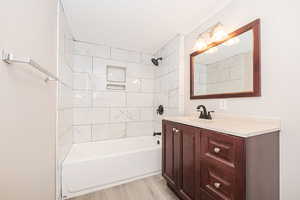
{"x": 200, "y": 44}
{"x": 218, "y": 33}
{"x": 215, "y": 33}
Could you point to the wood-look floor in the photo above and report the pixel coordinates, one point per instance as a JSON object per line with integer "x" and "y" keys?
{"x": 151, "y": 188}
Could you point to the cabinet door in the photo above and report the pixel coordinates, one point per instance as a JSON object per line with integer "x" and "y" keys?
{"x": 177, "y": 152}
{"x": 188, "y": 162}
{"x": 168, "y": 171}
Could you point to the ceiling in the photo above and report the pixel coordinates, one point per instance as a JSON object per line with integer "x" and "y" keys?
{"x": 141, "y": 25}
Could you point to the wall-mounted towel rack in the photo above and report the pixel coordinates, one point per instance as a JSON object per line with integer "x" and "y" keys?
{"x": 10, "y": 59}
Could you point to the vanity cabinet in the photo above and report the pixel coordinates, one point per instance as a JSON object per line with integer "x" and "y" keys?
{"x": 179, "y": 158}
{"x": 201, "y": 164}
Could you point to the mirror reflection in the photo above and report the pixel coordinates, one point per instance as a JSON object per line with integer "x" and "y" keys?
{"x": 226, "y": 68}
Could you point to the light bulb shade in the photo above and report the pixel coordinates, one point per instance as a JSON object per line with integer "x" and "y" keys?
{"x": 219, "y": 33}
{"x": 200, "y": 44}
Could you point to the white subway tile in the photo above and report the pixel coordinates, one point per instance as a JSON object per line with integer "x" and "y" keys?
{"x": 173, "y": 99}
{"x": 66, "y": 75}
{"x": 124, "y": 114}
{"x": 147, "y": 85}
{"x": 105, "y": 99}
{"x": 100, "y": 51}
{"x": 82, "y": 48}
{"x": 135, "y": 129}
{"x": 125, "y": 55}
{"x": 82, "y": 98}
{"x": 164, "y": 84}
{"x": 139, "y": 100}
{"x": 64, "y": 143}
{"x": 65, "y": 97}
{"x": 161, "y": 99}
{"x": 147, "y": 114}
{"x": 173, "y": 80}
{"x": 133, "y": 85}
{"x": 108, "y": 131}
{"x": 100, "y": 115}
{"x": 81, "y": 81}
{"x": 158, "y": 126}
{"x": 65, "y": 120}
{"x": 172, "y": 61}
{"x": 140, "y": 71}
{"x": 172, "y": 112}
{"x": 82, "y": 116}
{"x": 82, "y": 64}
{"x": 133, "y": 114}
{"x": 118, "y": 115}
{"x": 82, "y": 134}
{"x": 98, "y": 82}
{"x": 146, "y": 59}
{"x": 99, "y": 66}
{"x": 68, "y": 54}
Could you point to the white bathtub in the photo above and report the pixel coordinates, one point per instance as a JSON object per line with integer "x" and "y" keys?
{"x": 97, "y": 165}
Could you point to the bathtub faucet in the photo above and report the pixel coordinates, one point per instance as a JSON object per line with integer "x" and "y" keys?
{"x": 156, "y": 133}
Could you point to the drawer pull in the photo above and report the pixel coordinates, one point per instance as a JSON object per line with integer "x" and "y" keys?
{"x": 217, "y": 150}
{"x": 217, "y": 185}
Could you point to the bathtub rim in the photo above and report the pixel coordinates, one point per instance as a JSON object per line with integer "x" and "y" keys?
{"x": 72, "y": 161}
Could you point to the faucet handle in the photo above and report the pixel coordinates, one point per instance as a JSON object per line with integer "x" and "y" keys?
{"x": 202, "y": 116}
{"x": 209, "y": 115}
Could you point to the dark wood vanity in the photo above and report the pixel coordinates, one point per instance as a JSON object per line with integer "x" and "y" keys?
{"x": 201, "y": 164}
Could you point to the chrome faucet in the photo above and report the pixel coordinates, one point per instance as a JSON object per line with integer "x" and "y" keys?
{"x": 203, "y": 113}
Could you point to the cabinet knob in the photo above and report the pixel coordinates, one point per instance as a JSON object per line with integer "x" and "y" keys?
{"x": 217, "y": 150}
{"x": 217, "y": 185}
{"x": 175, "y": 130}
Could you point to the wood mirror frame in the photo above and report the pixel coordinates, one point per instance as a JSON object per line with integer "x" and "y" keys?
{"x": 255, "y": 27}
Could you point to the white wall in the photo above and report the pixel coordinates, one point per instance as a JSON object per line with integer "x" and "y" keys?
{"x": 169, "y": 80}
{"x": 64, "y": 138}
{"x": 28, "y": 104}
{"x": 101, "y": 113}
{"x": 280, "y": 76}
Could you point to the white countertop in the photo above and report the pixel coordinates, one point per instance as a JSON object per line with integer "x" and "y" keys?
{"x": 234, "y": 125}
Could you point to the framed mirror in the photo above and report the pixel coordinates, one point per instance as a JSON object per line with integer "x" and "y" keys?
{"x": 229, "y": 68}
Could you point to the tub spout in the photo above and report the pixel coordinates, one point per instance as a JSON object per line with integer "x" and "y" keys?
{"x": 156, "y": 133}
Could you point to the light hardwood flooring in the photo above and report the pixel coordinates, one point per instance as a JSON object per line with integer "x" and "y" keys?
{"x": 151, "y": 188}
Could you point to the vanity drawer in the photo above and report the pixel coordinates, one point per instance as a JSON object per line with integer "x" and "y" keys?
{"x": 222, "y": 148}
{"x": 217, "y": 182}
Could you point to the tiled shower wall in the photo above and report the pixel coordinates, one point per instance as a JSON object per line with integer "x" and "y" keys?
{"x": 101, "y": 113}
{"x": 169, "y": 80}
{"x": 64, "y": 98}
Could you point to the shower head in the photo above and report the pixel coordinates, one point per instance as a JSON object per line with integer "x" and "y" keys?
{"x": 155, "y": 61}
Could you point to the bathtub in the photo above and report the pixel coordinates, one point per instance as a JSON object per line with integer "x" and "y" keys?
{"x": 97, "y": 165}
